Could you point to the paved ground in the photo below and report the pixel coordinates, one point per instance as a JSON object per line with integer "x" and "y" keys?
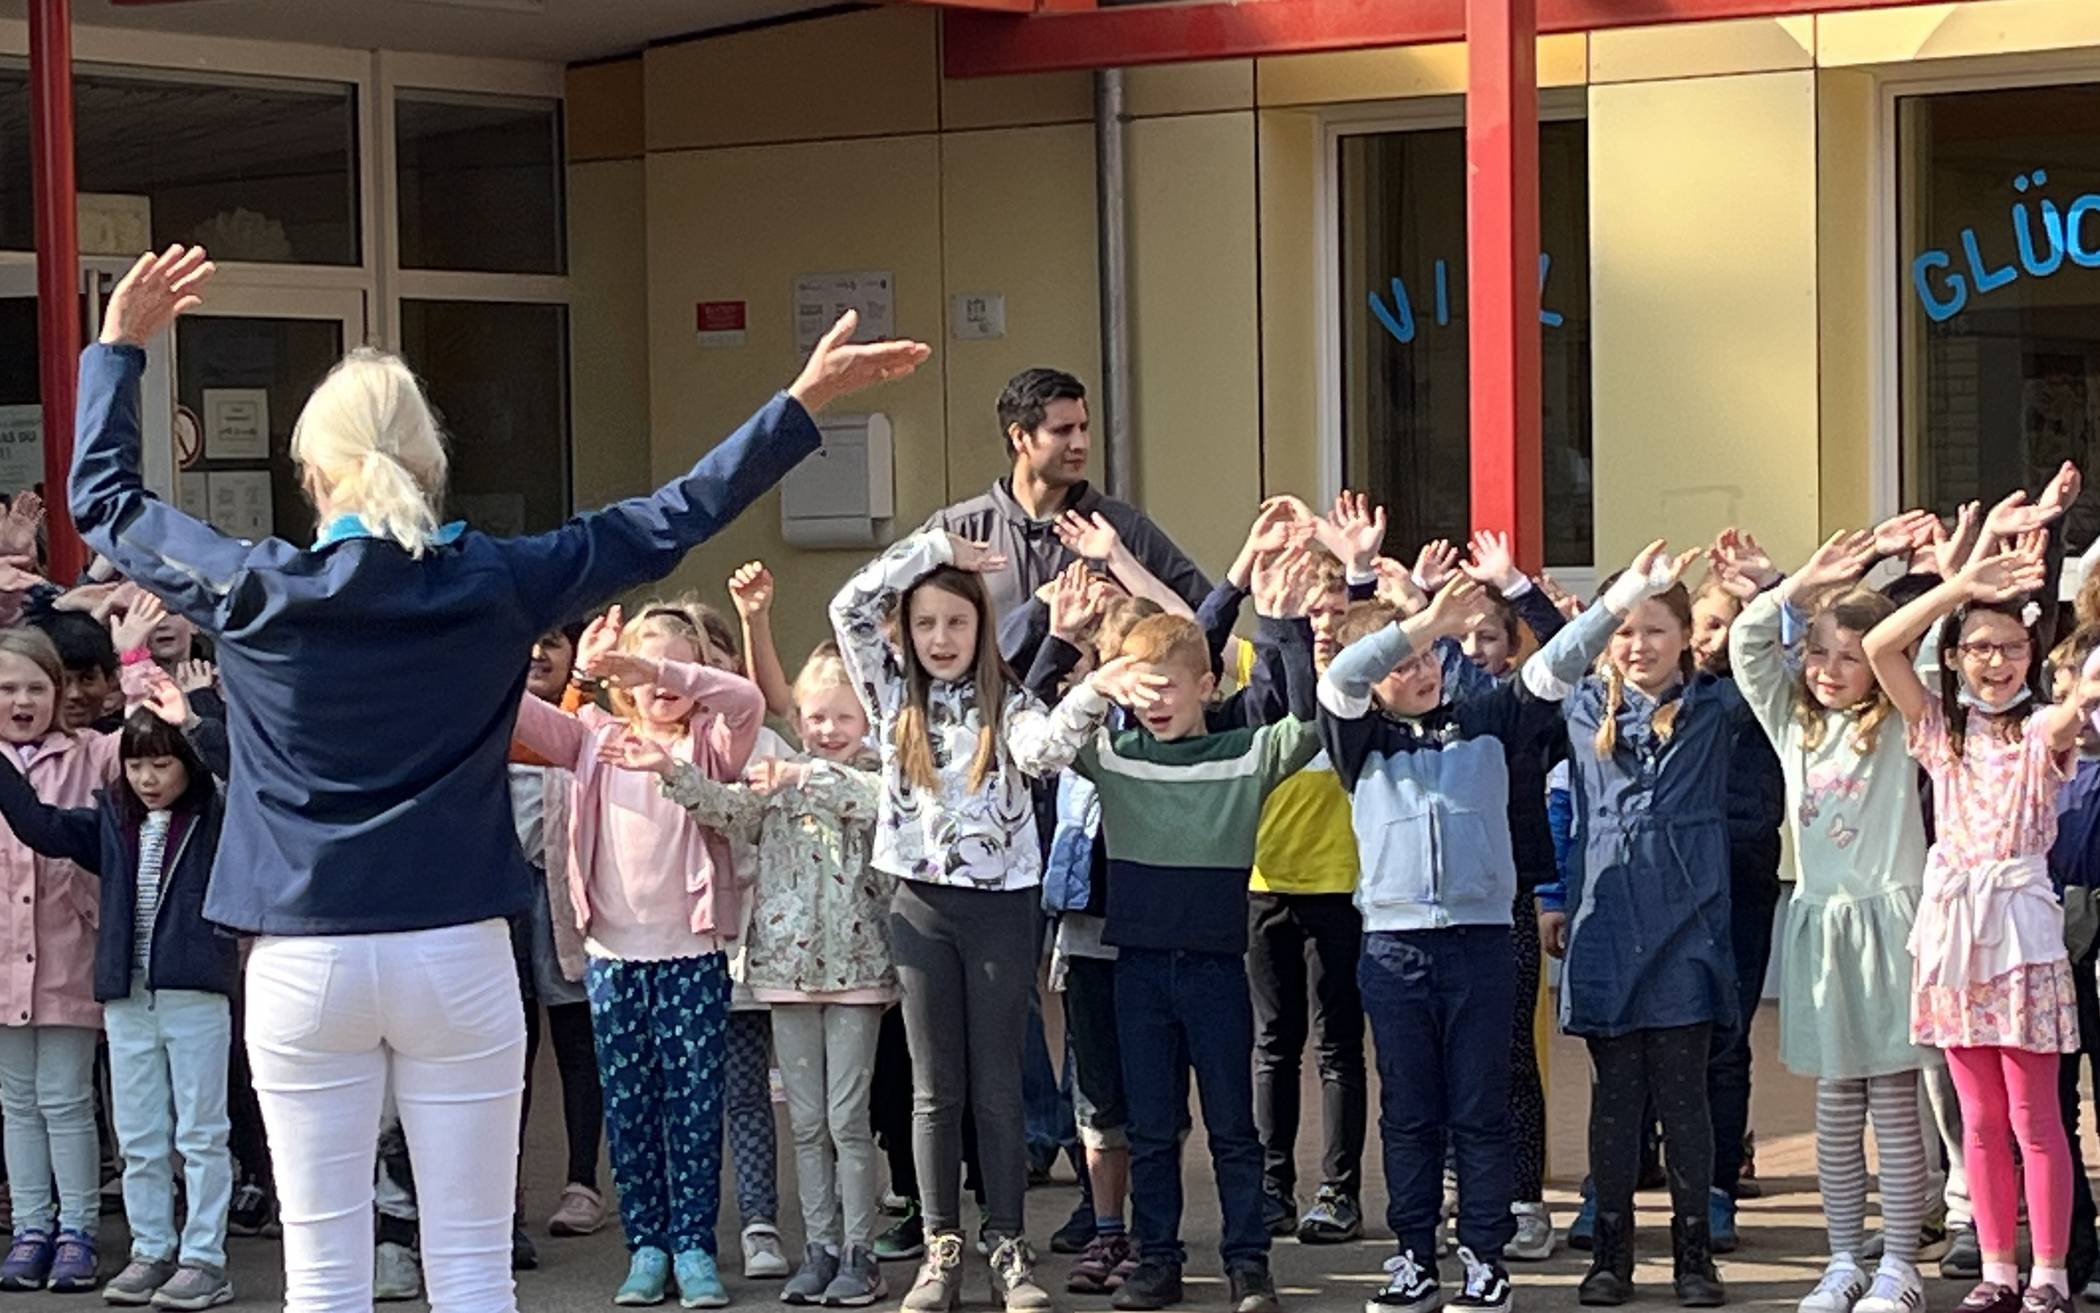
{"x": 1779, "y": 1261}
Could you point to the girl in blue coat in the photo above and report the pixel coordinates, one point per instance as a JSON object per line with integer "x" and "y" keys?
{"x": 1649, "y": 973}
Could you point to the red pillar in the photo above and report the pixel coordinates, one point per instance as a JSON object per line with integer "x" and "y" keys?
{"x": 1502, "y": 255}
{"x": 57, "y": 263}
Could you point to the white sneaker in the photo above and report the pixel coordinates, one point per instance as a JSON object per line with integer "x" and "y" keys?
{"x": 1535, "y": 1239}
{"x": 763, "y": 1256}
{"x": 1896, "y": 1289}
{"x": 1842, "y": 1287}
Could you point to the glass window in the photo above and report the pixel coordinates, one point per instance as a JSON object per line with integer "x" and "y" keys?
{"x": 498, "y": 373}
{"x": 1998, "y": 212}
{"x": 481, "y": 183}
{"x": 1404, "y": 377}
{"x": 252, "y": 168}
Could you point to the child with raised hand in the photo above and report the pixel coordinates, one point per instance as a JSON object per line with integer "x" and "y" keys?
{"x": 1992, "y": 983}
{"x": 817, "y": 953}
{"x": 1859, "y": 846}
{"x": 1429, "y": 774}
{"x": 1180, "y": 805}
{"x": 653, "y": 895}
{"x": 1648, "y": 972}
{"x": 165, "y": 976}
{"x": 959, "y": 741}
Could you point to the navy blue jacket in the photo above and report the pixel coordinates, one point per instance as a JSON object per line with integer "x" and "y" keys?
{"x": 370, "y": 694}
{"x": 189, "y": 952}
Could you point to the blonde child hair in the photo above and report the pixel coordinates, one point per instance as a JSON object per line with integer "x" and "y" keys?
{"x": 659, "y": 620}
{"x": 1122, "y": 615}
{"x": 824, "y": 670}
{"x": 367, "y": 445}
{"x": 35, "y": 647}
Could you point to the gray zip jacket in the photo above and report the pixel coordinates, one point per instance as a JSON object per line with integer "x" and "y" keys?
{"x": 1034, "y": 555}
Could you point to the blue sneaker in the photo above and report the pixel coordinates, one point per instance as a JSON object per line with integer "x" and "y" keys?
{"x": 28, "y": 1264}
{"x": 74, "y": 1265}
{"x": 699, "y": 1284}
{"x": 647, "y": 1273}
{"x": 1582, "y": 1233}
{"x": 1720, "y": 1221}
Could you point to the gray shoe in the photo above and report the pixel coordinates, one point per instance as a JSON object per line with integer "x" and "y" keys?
{"x": 1963, "y": 1260}
{"x": 397, "y": 1275}
{"x": 1013, "y": 1278}
{"x": 859, "y": 1282}
{"x": 807, "y": 1286}
{"x": 938, "y": 1287}
{"x": 195, "y": 1286}
{"x": 137, "y": 1282}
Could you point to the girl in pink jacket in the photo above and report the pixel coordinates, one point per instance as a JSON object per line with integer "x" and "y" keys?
{"x": 656, "y": 901}
{"x": 49, "y": 1021}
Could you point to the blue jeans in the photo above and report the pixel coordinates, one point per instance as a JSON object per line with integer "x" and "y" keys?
{"x": 1177, "y": 1011}
{"x": 1440, "y": 1004}
{"x": 47, "y": 1095}
{"x": 662, "y": 1031}
{"x": 167, "y": 1071}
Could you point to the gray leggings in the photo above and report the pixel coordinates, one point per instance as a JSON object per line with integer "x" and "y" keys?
{"x": 966, "y": 960}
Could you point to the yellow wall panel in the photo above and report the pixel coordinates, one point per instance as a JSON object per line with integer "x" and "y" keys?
{"x": 1036, "y": 248}
{"x": 1894, "y": 36}
{"x": 1846, "y": 107}
{"x": 871, "y": 73}
{"x": 608, "y": 332}
{"x": 1290, "y": 142}
{"x": 1746, "y": 45}
{"x": 1023, "y": 100}
{"x": 741, "y": 225}
{"x": 1194, "y": 312}
{"x": 602, "y": 110}
{"x": 1189, "y": 88}
{"x": 1703, "y": 297}
{"x": 1396, "y": 71}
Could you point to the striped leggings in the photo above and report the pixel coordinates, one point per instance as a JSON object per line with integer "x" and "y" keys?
{"x": 1842, "y": 1107}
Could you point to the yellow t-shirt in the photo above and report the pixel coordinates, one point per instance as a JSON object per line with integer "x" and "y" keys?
{"x": 1305, "y": 843}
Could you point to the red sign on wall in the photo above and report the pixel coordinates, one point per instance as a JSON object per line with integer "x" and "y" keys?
{"x": 719, "y": 323}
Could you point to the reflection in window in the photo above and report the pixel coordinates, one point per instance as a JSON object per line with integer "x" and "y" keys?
{"x": 1998, "y": 216}
{"x": 498, "y": 374}
{"x": 258, "y": 169}
{"x": 1403, "y": 290}
{"x": 481, "y": 183}
{"x": 280, "y": 359}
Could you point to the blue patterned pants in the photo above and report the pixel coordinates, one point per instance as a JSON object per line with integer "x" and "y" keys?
{"x": 662, "y": 1032}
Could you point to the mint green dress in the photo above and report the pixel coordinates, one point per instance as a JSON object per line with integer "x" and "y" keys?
{"x": 1858, "y": 839}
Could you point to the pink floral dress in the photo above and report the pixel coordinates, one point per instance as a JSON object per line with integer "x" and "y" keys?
{"x": 1989, "y": 968}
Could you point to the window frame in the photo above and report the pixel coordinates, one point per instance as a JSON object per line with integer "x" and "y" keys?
{"x": 1420, "y": 114}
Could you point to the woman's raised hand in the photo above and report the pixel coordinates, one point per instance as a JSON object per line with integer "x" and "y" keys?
{"x": 840, "y": 367}
{"x": 157, "y": 290}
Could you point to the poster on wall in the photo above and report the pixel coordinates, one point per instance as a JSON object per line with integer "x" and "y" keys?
{"x": 21, "y": 447}
{"x": 193, "y": 494}
{"x": 240, "y": 504}
{"x": 236, "y": 424}
{"x": 821, "y": 298}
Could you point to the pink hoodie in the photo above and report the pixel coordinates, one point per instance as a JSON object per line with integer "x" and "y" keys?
{"x": 51, "y": 907}
{"x": 647, "y": 883}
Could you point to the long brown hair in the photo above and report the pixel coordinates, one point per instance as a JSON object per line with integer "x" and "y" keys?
{"x": 1950, "y": 667}
{"x": 1678, "y": 602}
{"x": 1856, "y": 610}
{"x": 913, "y": 735}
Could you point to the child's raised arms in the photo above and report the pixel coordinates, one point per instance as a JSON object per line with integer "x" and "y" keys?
{"x": 1093, "y": 538}
{"x": 751, "y": 590}
{"x": 1839, "y": 562}
{"x": 1354, "y": 531}
{"x": 1996, "y": 578}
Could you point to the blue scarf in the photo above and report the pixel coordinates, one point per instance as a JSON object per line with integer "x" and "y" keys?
{"x": 347, "y": 526}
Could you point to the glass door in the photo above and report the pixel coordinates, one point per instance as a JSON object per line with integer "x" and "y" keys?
{"x": 244, "y": 365}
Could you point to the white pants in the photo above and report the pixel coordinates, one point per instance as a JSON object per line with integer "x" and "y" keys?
{"x": 331, "y": 1021}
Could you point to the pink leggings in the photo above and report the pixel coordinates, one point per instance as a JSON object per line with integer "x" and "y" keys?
{"x": 2006, "y": 1093}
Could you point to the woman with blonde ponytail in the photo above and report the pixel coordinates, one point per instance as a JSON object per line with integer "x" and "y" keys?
{"x": 1649, "y": 974}
{"x": 370, "y": 843}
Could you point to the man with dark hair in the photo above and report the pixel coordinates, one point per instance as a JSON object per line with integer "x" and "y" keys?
{"x": 1044, "y": 422}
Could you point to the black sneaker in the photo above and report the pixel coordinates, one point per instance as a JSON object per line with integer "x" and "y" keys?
{"x": 1152, "y": 1286}
{"x": 1410, "y": 1286}
{"x": 1077, "y": 1232}
{"x": 1253, "y": 1290}
{"x": 904, "y": 1241}
{"x": 1334, "y": 1219}
{"x": 1279, "y": 1213}
{"x": 524, "y": 1255}
{"x": 253, "y": 1213}
{"x": 1487, "y": 1285}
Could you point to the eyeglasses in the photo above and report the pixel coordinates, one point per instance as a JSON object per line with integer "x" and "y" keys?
{"x": 1984, "y": 654}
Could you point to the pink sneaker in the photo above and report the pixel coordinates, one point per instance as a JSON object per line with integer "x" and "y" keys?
{"x": 582, "y": 1212}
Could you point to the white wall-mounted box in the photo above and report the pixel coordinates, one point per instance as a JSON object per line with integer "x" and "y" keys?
{"x": 844, "y": 494}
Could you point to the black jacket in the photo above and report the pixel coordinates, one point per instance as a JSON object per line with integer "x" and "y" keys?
{"x": 189, "y": 952}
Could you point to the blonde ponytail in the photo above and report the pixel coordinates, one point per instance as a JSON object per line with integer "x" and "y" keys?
{"x": 368, "y": 441}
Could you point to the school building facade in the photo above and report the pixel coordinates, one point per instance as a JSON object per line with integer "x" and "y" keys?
{"x": 1796, "y": 272}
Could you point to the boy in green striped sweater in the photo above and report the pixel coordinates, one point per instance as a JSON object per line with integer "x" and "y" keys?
{"x": 1179, "y": 810}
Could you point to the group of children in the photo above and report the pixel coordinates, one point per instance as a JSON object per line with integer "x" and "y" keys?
{"x": 1374, "y": 791}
